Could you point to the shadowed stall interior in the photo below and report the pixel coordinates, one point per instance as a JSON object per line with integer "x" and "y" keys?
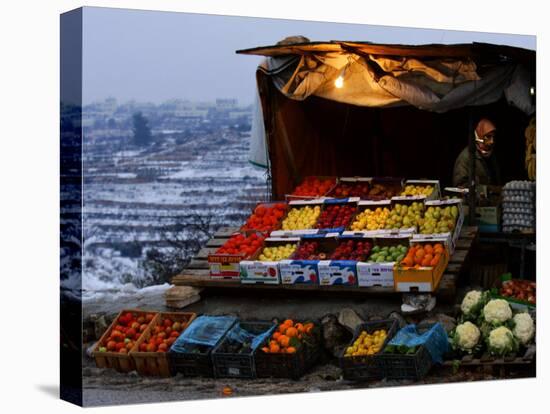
{"x": 323, "y": 137}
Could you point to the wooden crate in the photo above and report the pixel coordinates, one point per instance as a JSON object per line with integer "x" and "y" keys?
{"x": 157, "y": 363}
{"x": 115, "y": 360}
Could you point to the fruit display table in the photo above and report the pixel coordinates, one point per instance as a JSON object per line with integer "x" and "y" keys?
{"x": 197, "y": 273}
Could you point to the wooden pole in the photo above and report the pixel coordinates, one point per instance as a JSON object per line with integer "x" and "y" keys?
{"x": 472, "y": 170}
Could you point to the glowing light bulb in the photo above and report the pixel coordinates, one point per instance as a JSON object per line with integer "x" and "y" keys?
{"x": 532, "y": 90}
{"x": 339, "y": 82}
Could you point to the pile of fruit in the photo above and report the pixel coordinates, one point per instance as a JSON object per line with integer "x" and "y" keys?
{"x": 336, "y": 215}
{"x": 352, "y": 249}
{"x": 415, "y": 190}
{"x": 367, "y": 344}
{"x": 439, "y": 220}
{"x": 525, "y": 290}
{"x": 351, "y": 189}
{"x": 241, "y": 244}
{"x": 301, "y": 218}
{"x": 309, "y": 250}
{"x": 127, "y": 330}
{"x": 424, "y": 255}
{"x": 288, "y": 337}
{"x": 276, "y": 253}
{"x": 382, "y": 191}
{"x": 371, "y": 219}
{"x": 388, "y": 254}
{"x": 265, "y": 217}
{"x": 404, "y": 216}
{"x": 314, "y": 187}
{"x": 162, "y": 336}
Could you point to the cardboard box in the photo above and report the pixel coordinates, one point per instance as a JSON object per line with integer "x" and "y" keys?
{"x": 299, "y": 204}
{"x": 488, "y": 218}
{"x": 371, "y": 205}
{"x": 436, "y": 193}
{"x": 353, "y": 201}
{"x": 261, "y": 271}
{"x": 295, "y": 271}
{"x": 381, "y": 273}
{"x": 455, "y": 234}
{"x": 425, "y": 278}
{"x": 227, "y": 266}
{"x": 337, "y": 272}
{"x": 393, "y": 185}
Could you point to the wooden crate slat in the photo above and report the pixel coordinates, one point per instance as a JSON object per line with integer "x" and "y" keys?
{"x": 225, "y": 232}
{"x": 459, "y": 256}
{"x": 204, "y": 252}
{"x": 215, "y": 242}
{"x": 463, "y": 244}
{"x": 197, "y": 264}
{"x": 453, "y": 268}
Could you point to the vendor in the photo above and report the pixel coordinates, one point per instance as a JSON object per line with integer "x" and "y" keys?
{"x": 487, "y": 171}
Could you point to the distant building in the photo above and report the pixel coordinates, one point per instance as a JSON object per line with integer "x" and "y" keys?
{"x": 226, "y": 104}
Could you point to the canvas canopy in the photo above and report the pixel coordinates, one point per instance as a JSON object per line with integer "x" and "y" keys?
{"x": 434, "y": 78}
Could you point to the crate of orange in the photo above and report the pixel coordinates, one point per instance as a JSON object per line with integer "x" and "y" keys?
{"x": 112, "y": 349}
{"x": 225, "y": 262}
{"x": 423, "y": 265}
{"x": 266, "y": 217}
{"x": 290, "y": 352}
{"x": 233, "y": 357}
{"x": 150, "y": 350}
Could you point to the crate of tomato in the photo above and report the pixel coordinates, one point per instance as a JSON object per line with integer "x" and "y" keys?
{"x": 112, "y": 350}
{"x": 266, "y": 217}
{"x": 191, "y": 353}
{"x": 291, "y": 351}
{"x": 234, "y": 355}
{"x": 225, "y": 262}
{"x": 313, "y": 187}
{"x": 150, "y": 350}
{"x": 360, "y": 360}
{"x": 519, "y": 293}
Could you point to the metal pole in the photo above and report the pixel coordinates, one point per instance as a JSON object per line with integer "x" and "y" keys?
{"x": 472, "y": 170}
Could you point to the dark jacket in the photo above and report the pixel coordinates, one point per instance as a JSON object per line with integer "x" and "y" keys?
{"x": 487, "y": 171}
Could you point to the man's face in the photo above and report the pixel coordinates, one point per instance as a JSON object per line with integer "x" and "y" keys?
{"x": 485, "y": 133}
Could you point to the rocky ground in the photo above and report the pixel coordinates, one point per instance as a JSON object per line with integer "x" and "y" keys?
{"x": 337, "y": 316}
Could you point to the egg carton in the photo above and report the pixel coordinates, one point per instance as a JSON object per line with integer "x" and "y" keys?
{"x": 509, "y": 229}
{"x": 520, "y": 185}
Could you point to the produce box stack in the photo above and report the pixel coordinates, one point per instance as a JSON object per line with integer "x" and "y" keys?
{"x": 191, "y": 353}
{"x": 113, "y": 348}
{"x": 423, "y": 265}
{"x": 150, "y": 351}
{"x": 302, "y": 266}
{"x": 360, "y": 360}
{"x": 292, "y": 350}
{"x": 313, "y": 187}
{"x": 351, "y": 187}
{"x": 518, "y": 202}
{"x": 266, "y": 217}
{"x": 388, "y": 249}
{"x": 234, "y": 356}
{"x": 225, "y": 262}
{"x": 263, "y": 267}
{"x": 341, "y": 266}
{"x": 371, "y": 215}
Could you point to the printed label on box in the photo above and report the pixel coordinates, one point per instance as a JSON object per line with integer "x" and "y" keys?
{"x": 298, "y": 271}
{"x": 337, "y": 272}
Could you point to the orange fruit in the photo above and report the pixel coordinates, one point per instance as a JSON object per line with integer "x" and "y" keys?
{"x": 428, "y": 257}
{"x": 284, "y": 340}
{"x": 299, "y": 327}
{"x": 291, "y": 350}
{"x": 425, "y": 262}
{"x": 438, "y": 248}
{"x": 428, "y": 248}
{"x": 407, "y": 261}
{"x": 434, "y": 261}
{"x": 265, "y": 349}
{"x": 274, "y": 348}
{"x": 282, "y": 329}
{"x": 276, "y": 335}
{"x": 419, "y": 253}
{"x": 291, "y": 332}
{"x": 417, "y": 260}
{"x": 288, "y": 322}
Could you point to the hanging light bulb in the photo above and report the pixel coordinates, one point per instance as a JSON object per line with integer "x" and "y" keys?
{"x": 339, "y": 81}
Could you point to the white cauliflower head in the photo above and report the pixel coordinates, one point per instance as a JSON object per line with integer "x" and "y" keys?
{"x": 467, "y": 336}
{"x": 524, "y": 328}
{"x": 497, "y": 311}
{"x": 471, "y": 299}
{"x": 501, "y": 341}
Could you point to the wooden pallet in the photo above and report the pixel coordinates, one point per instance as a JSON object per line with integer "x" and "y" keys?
{"x": 197, "y": 273}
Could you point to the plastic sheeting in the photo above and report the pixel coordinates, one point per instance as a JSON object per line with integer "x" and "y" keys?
{"x": 204, "y": 330}
{"x": 241, "y": 335}
{"x": 435, "y": 340}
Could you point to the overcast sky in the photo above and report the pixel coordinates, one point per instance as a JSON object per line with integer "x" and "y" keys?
{"x": 155, "y": 56}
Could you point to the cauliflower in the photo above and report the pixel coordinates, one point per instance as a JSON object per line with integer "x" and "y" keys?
{"x": 466, "y": 337}
{"x": 472, "y": 304}
{"x": 497, "y": 311}
{"x": 501, "y": 341}
{"x": 524, "y": 328}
